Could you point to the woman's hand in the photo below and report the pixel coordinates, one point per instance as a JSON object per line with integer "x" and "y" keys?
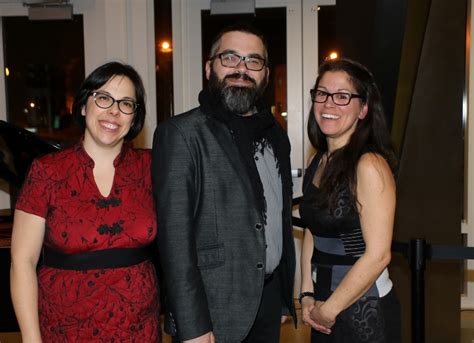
{"x": 321, "y": 318}
{"x": 308, "y": 304}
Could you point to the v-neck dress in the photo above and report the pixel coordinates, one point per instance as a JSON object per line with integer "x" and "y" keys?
{"x": 99, "y": 305}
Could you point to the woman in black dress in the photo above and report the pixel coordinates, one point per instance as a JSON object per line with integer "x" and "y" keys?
{"x": 348, "y": 207}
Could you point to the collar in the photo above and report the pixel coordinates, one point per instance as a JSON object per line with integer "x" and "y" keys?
{"x": 85, "y": 159}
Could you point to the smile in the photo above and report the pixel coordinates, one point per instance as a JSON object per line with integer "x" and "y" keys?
{"x": 330, "y": 116}
{"x": 108, "y": 125}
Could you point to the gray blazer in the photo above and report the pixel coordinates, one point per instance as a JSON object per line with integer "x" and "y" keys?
{"x": 210, "y": 237}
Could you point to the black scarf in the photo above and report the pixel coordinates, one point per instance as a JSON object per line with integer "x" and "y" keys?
{"x": 249, "y": 133}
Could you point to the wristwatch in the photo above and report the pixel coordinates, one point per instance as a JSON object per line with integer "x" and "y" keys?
{"x": 305, "y": 294}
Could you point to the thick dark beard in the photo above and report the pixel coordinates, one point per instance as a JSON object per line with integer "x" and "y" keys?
{"x": 240, "y": 100}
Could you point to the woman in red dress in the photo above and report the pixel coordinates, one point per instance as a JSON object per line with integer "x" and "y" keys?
{"x": 89, "y": 210}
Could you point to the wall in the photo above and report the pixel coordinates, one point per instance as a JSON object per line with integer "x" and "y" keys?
{"x": 467, "y": 301}
{"x": 430, "y": 179}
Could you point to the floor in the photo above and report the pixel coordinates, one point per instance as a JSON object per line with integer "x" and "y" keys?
{"x": 291, "y": 335}
{"x": 467, "y": 326}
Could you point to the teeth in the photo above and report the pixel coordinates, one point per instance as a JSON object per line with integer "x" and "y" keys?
{"x": 329, "y": 116}
{"x": 110, "y": 126}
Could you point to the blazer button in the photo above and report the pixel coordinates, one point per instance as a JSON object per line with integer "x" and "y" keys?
{"x": 260, "y": 265}
{"x": 258, "y": 226}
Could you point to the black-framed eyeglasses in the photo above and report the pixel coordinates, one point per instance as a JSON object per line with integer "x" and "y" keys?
{"x": 105, "y": 101}
{"x": 340, "y": 98}
{"x": 232, "y": 60}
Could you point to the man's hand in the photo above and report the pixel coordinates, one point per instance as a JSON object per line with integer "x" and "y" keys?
{"x": 308, "y": 305}
{"x": 321, "y": 318}
{"x": 206, "y": 338}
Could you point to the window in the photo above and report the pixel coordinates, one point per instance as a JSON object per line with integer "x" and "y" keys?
{"x": 44, "y": 67}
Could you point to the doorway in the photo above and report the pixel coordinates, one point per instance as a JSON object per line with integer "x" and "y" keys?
{"x": 291, "y": 27}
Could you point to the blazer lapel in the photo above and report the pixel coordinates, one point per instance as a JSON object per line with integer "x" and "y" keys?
{"x": 226, "y": 143}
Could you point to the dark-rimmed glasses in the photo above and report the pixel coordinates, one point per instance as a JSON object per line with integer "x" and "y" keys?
{"x": 232, "y": 60}
{"x": 105, "y": 101}
{"x": 340, "y": 98}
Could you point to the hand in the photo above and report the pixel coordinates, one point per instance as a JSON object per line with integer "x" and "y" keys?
{"x": 307, "y": 305}
{"x": 284, "y": 319}
{"x": 320, "y": 315}
{"x": 206, "y": 338}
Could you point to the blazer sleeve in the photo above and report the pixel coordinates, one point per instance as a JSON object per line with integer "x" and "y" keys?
{"x": 175, "y": 190}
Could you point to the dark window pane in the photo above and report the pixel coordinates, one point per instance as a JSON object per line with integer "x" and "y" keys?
{"x": 327, "y": 32}
{"x": 45, "y": 63}
{"x": 164, "y": 60}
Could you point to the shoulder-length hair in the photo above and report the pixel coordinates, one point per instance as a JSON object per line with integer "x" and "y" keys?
{"x": 370, "y": 135}
{"x": 97, "y": 79}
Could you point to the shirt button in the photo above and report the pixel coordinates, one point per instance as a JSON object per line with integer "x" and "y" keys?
{"x": 260, "y": 265}
{"x": 258, "y": 226}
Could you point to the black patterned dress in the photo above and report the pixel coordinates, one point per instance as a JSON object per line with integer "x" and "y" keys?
{"x": 338, "y": 243}
{"x": 100, "y": 305}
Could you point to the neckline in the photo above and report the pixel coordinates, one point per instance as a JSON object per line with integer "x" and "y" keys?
{"x": 316, "y": 164}
{"x": 87, "y": 159}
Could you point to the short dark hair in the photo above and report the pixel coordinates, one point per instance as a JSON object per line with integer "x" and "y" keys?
{"x": 97, "y": 79}
{"x": 239, "y": 27}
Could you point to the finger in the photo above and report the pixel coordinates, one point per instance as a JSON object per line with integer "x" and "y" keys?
{"x": 317, "y": 326}
{"x": 311, "y": 323}
{"x": 323, "y": 329}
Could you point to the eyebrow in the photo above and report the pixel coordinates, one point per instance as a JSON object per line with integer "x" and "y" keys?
{"x": 107, "y": 93}
{"x": 230, "y": 51}
{"x": 343, "y": 90}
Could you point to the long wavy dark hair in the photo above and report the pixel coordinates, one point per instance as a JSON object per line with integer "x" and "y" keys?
{"x": 370, "y": 135}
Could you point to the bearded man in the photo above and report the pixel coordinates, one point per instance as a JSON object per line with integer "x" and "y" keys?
{"x": 222, "y": 184}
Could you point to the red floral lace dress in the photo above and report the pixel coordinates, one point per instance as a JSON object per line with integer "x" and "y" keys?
{"x": 100, "y": 305}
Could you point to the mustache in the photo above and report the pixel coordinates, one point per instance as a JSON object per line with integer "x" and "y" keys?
{"x": 242, "y": 76}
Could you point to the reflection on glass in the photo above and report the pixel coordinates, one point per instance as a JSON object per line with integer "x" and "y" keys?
{"x": 272, "y": 23}
{"x": 164, "y": 60}
{"x": 44, "y": 67}
{"x": 327, "y": 32}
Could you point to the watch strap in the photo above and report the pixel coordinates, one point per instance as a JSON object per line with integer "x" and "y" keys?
{"x": 305, "y": 294}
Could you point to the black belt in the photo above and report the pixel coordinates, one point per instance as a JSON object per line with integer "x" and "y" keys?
{"x": 100, "y": 259}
